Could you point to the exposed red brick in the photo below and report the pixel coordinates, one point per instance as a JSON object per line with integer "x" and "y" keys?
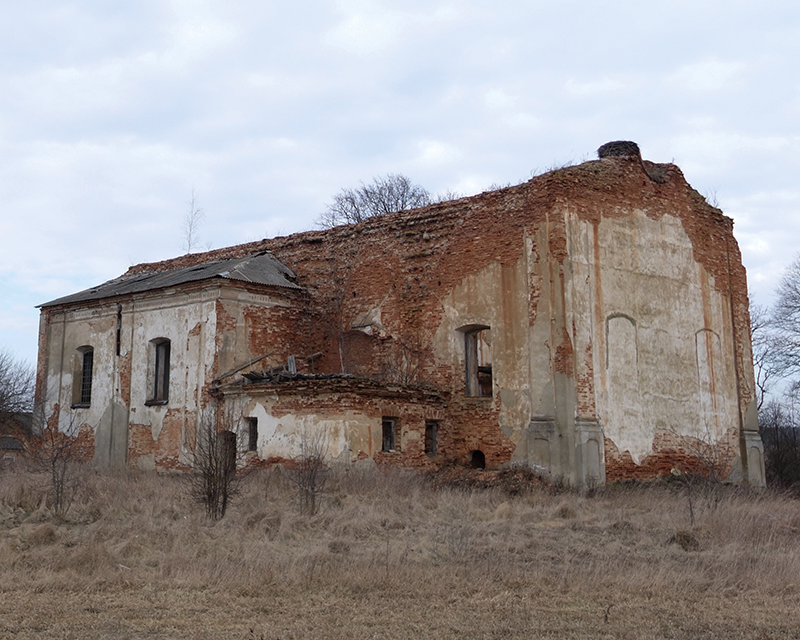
{"x": 406, "y": 263}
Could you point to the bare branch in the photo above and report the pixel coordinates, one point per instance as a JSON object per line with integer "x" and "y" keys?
{"x": 61, "y": 455}
{"x": 385, "y": 194}
{"x": 214, "y": 481}
{"x": 769, "y": 362}
{"x": 447, "y": 196}
{"x": 16, "y": 384}
{"x": 785, "y": 319}
{"x": 191, "y": 224}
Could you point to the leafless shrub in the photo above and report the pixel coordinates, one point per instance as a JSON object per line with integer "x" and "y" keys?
{"x": 61, "y": 456}
{"x": 448, "y": 195}
{"x": 213, "y": 480}
{"x": 712, "y": 197}
{"x": 310, "y": 473}
{"x": 385, "y": 194}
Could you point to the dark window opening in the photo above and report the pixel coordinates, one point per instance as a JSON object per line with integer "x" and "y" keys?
{"x": 87, "y": 364}
{"x": 478, "y": 359}
{"x": 388, "y": 440}
{"x": 82, "y": 373}
{"x": 431, "y": 437}
{"x": 119, "y": 328}
{"x": 160, "y": 381}
{"x": 252, "y": 434}
{"x": 477, "y": 460}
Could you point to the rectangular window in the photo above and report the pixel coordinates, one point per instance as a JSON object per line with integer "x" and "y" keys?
{"x": 478, "y": 359}
{"x": 159, "y": 372}
{"x": 86, "y": 377}
{"x": 252, "y": 434}
{"x": 431, "y": 437}
{"x": 388, "y": 440}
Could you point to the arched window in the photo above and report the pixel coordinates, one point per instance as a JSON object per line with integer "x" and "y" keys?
{"x": 82, "y": 380}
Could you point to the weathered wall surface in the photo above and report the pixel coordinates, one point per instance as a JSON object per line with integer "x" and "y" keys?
{"x": 661, "y": 337}
{"x": 66, "y": 331}
{"x": 617, "y": 305}
{"x": 128, "y": 426}
{"x": 348, "y": 414}
{"x": 162, "y": 434}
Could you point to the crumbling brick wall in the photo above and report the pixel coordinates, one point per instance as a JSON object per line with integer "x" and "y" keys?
{"x": 404, "y": 264}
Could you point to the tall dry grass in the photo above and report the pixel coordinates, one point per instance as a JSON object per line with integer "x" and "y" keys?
{"x": 393, "y": 554}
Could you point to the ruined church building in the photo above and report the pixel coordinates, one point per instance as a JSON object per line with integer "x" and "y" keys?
{"x": 591, "y": 322}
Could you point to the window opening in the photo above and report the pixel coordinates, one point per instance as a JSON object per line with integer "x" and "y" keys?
{"x": 431, "y": 437}
{"x": 160, "y": 380}
{"x": 82, "y": 374}
{"x": 477, "y": 459}
{"x": 86, "y": 376}
{"x": 252, "y": 434}
{"x": 388, "y": 439}
{"x": 478, "y": 359}
{"x": 119, "y": 327}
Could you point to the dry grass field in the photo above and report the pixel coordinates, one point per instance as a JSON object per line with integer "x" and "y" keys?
{"x": 398, "y": 555}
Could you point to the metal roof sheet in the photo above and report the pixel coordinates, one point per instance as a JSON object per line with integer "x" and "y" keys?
{"x": 261, "y": 268}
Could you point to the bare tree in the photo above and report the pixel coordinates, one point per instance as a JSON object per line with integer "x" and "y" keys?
{"x": 769, "y": 361}
{"x": 16, "y": 384}
{"x": 385, "y": 194}
{"x": 191, "y": 224}
{"x": 786, "y": 318}
{"x": 780, "y": 433}
{"x": 214, "y": 479}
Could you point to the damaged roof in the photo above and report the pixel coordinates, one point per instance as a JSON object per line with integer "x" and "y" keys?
{"x": 260, "y": 268}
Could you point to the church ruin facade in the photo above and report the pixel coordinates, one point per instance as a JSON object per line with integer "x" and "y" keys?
{"x": 591, "y": 323}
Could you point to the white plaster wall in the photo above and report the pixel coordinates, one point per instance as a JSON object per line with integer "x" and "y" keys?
{"x": 70, "y": 330}
{"x": 653, "y": 373}
{"x": 282, "y": 436}
{"x": 173, "y": 316}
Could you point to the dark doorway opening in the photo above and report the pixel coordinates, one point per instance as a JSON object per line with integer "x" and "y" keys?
{"x": 431, "y": 437}
{"x": 252, "y": 434}
{"x": 477, "y": 459}
{"x": 389, "y": 439}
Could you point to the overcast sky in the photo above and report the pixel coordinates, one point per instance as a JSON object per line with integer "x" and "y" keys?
{"x": 110, "y": 113}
